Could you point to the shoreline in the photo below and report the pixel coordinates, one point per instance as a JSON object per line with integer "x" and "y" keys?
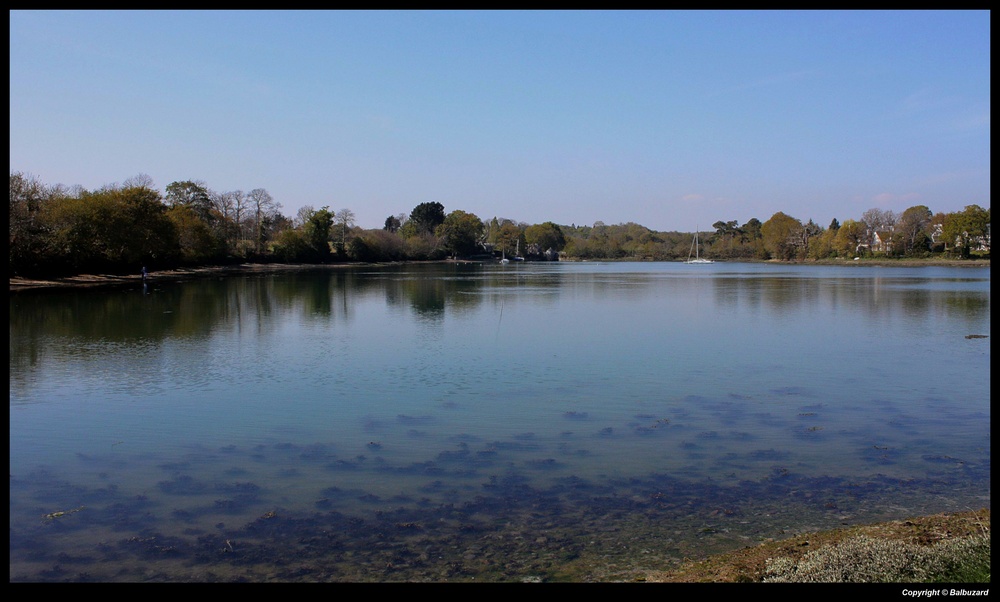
{"x": 175, "y": 275}
{"x": 749, "y": 564}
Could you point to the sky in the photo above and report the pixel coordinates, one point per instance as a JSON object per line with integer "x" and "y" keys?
{"x": 672, "y": 120}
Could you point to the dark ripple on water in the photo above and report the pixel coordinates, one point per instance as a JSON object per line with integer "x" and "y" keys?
{"x": 515, "y": 529}
{"x": 472, "y": 519}
{"x": 414, "y": 420}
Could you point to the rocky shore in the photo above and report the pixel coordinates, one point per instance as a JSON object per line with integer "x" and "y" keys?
{"x": 750, "y": 564}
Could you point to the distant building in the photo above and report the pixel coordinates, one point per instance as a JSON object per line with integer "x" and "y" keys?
{"x": 882, "y": 242}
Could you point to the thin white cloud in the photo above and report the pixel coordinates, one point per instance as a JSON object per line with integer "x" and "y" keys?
{"x": 891, "y": 199}
{"x": 951, "y": 113}
{"x": 922, "y": 101}
{"x": 976, "y": 119}
{"x": 953, "y": 176}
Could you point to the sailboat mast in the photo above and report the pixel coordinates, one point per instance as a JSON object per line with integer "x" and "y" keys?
{"x": 696, "y": 250}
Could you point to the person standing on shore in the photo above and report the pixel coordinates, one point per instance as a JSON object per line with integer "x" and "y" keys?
{"x": 144, "y": 273}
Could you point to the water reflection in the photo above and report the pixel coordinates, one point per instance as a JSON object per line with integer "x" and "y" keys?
{"x": 199, "y": 307}
{"x": 877, "y": 298}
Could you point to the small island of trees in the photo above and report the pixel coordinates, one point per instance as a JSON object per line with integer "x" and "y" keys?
{"x": 59, "y": 231}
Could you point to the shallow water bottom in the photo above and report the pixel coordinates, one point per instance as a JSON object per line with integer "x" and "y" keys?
{"x": 505, "y": 527}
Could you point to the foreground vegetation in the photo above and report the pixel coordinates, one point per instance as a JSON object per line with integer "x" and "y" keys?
{"x": 865, "y": 559}
{"x": 944, "y": 548}
{"x": 55, "y": 231}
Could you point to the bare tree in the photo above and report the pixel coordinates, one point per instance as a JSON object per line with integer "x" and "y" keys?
{"x": 345, "y": 219}
{"x": 222, "y": 202}
{"x": 303, "y": 215}
{"x": 232, "y": 207}
{"x": 878, "y": 220}
{"x": 264, "y": 207}
{"x": 139, "y": 181}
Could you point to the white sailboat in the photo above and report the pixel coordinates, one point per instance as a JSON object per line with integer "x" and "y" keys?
{"x": 695, "y": 251}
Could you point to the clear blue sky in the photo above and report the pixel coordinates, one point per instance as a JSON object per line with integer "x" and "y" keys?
{"x": 673, "y": 120}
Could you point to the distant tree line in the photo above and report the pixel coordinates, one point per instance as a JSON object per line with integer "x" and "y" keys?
{"x": 118, "y": 228}
{"x": 916, "y": 232}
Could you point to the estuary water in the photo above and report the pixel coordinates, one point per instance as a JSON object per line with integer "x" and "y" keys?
{"x": 480, "y": 422}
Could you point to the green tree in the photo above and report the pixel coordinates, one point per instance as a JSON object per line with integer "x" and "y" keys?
{"x": 850, "y": 238}
{"x": 382, "y": 245}
{"x": 726, "y": 234}
{"x": 810, "y": 230}
{"x": 822, "y": 246}
{"x": 392, "y": 224}
{"x": 28, "y": 234}
{"x": 359, "y": 250}
{"x": 317, "y": 234}
{"x": 753, "y": 239}
{"x": 423, "y": 246}
{"x": 968, "y": 229}
{"x": 426, "y": 217}
{"x": 782, "y": 235}
{"x": 291, "y": 246}
{"x": 194, "y": 195}
{"x": 912, "y": 227}
{"x": 197, "y": 242}
{"x": 545, "y": 236}
{"x": 461, "y": 232}
{"x": 507, "y": 238}
{"x": 113, "y": 229}
{"x": 978, "y": 222}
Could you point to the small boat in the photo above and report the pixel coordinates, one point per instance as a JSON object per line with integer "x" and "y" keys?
{"x": 696, "y": 253}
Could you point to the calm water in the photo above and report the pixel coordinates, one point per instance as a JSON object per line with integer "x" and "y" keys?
{"x": 569, "y": 421}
